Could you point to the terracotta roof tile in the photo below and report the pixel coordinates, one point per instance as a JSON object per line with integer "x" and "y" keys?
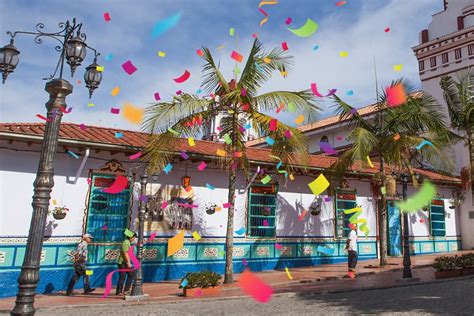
{"x": 104, "y": 135}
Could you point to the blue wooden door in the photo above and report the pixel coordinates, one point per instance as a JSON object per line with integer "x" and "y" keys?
{"x": 394, "y": 231}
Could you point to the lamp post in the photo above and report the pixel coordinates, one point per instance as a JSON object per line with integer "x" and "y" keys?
{"x": 137, "y": 291}
{"x": 406, "y": 239}
{"x": 72, "y": 49}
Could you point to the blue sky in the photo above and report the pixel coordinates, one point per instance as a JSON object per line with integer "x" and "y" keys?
{"x": 357, "y": 27}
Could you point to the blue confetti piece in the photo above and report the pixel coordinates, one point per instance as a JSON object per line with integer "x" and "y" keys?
{"x": 210, "y": 186}
{"x": 73, "y": 154}
{"x": 315, "y": 47}
{"x": 258, "y": 67}
{"x": 118, "y": 135}
{"x": 270, "y": 141}
{"x": 327, "y": 251}
{"x": 423, "y": 143}
{"x": 109, "y": 57}
{"x": 165, "y": 25}
{"x": 279, "y": 165}
{"x": 184, "y": 283}
{"x": 240, "y": 231}
{"x": 198, "y": 91}
{"x": 350, "y": 92}
{"x": 168, "y": 168}
{"x": 248, "y": 126}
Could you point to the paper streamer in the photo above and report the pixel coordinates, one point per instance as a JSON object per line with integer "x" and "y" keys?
{"x": 172, "y": 131}
{"x": 185, "y": 76}
{"x": 308, "y": 29}
{"x": 118, "y": 186}
{"x": 260, "y": 5}
{"x": 327, "y": 148}
{"x": 133, "y": 258}
{"x": 325, "y": 250}
{"x": 355, "y": 220}
{"x": 43, "y": 118}
{"x": 423, "y": 143}
{"x": 165, "y": 25}
{"x": 241, "y": 231}
{"x": 64, "y": 110}
{"x": 314, "y": 88}
{"x": 73, "y": 154}
{"x": 370, "y": 162}
{"x": 210, "y": 186}
{"x": 108, "y": 281}
{"x": 135, "y": 156}
{"x": 288, "y": 273}
{"x": 422, "y": 198}
{"x": 255, "y": 287}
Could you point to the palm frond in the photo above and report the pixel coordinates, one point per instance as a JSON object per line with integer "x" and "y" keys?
{"x": 347, "y": 112}
{"x": 212, "y": 77}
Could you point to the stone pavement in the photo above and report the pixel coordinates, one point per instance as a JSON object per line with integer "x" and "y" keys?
{"x": 331, "y": 278}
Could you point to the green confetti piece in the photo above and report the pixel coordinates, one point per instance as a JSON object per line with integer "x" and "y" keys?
{"x": 291, "y": 107}
{"x": 227, "y": 139}
{"x": 173, "y": 131}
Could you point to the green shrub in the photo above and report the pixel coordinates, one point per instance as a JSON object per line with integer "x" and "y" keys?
{"x": 445, "y": 263}
{"x": 467, "y": 260}
{"x": 202, "y": 279}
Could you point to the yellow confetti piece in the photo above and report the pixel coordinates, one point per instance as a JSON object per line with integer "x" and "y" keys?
{"x": 161, "y": 54}
{"x": 196, "y": 236}
{"x": 291, "y": 176}
{"x": 191, "y": 142}
{"x": 344, "y": 54}
{"x": 398, "y": 67}
{"x": 267, "y": 60}
{"x": 284, "y": 73}
{"x": 54, "y": 202}
{"x": 132, "y": 113}
{"x": 221, "y": 153}
{"x": 90, "y": 104}
{"x": 220, "y": 47}
{"x": 288, "y": 273}
{"x": 319, "y": 185}
{"x": 115, "y": 91}
{"x": 299, "y": 119}
{"x": 370, "y": 162}
{"x": 218, "y": 209}
{"x": 99, "y": 68}
{"x": 89, "y": 272}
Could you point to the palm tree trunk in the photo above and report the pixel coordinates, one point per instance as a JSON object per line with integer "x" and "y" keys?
{"x": 471, "y": 156}
{"x": 229, "y": 239}
{"x": 382, "y": 219}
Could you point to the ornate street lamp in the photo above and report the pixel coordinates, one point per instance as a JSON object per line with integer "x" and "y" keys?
{"x": 72, "y": 50}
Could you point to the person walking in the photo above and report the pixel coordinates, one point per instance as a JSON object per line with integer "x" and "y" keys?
{"x": 124, "y": 263}
{"x": 351, "y": 247}
{"x": 80, "y": 261}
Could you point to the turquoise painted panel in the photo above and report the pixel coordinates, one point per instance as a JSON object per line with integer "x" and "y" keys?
{"x": 426, "y": 246}
{"x": 287, "y": 250}
{"x": 241, "y": 251}
{"x": 63, "y": 255}
{"x": 210, "y": 252}
{"x": 441, "y": 246}
{"x": 262, "y": 251}
{"x": 367, "y": 248}
{"x": 48, "y": 256}
{"x": 341, "y": 249}
{"x": 188, "y": 252}
{"x": 6, "y": 257}
{"x": 154, "y": 253}
{"x": 307, "y": 250}
{"x": 453, "y": 246}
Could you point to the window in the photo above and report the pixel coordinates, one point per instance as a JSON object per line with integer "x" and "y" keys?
{"x": 433, "y": 62}
{"x": 445, "y": 58}
{"x": 262, "y": 210}
{"x": 437, "y": 219}
{"x": 470, "y": 49}
{"x": 457, "y": 53}
{"x": 345, "y": 199}
{"x": 421, "y": 65}
{"x": 108, "y": 214}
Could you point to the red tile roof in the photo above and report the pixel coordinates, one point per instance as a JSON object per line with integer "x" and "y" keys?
{"x": 103, "y": 135}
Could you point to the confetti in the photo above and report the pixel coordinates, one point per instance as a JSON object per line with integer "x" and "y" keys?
{"x": 398, "y": 67}
{"x": 383, "y": 190}
{"x": 288, "y": 273}
{"x": 231, "y": 31}
{"x": 270, "y": 141}
{"x": 157, "y": 96}
{"x": 302, "y": 215}
{"x": 175, "y": 243}
{"x": 319, "y": 185}
{"x": 265, "y": 223}
{"x": 129, "y": 67}
{"x": 118, "y": 135}
{"x": 221, "y": 153}
{"x": 236, "y": 56}
{"x": 314, "y": 88}
{"x": 370, "y": 162}
{"x": 133, "y": 258}
{"x": 199, "y": 52}
{"x": 185, "y": 76}
{"x": 100, "y": 68}
{"x": 165, "y": 25}
{"x": 132, "y": 113}
{"x": 72, "y": 154}
{"x": 168, "y": 168}
{"x": 325, "y": 250}
{"x": 108, "y": 281}
{"x": 308, "y": 29}
{"x": 211, "y": 187}
{"x": 255, "y": 287}
{"x": 114, "y": 110}
{"x": 315, "y": 47}
{"x": 284, "y": 46}
{"x": 161, "y": 54}
{"x": 396, "y": 137}
{"x": 202, "y": 166}
{"x": 109, "y": 57}
{"x": 89, "y": 272}
{"x": 179, "y": 92}
{"x": 344, "y": 54}
{"x": 107, "y": 17}
{"x": 191, "y": 142}
{"x": 135, "y": 156}
{"x": 278, "y": 246}
{"x": 350, "y": 92}
{"x": 196, "y": 236}
{"x": 227, "y": 139}
{"x": 387, "y": 30}
{"x": 43, "y": 118}
{"x": 90, "y": 104}
{"x": 299, "y": 120}
{"x": 241, "y": 231}
{"x": 164, "y": 205}
{"x": 266, "y": 179}
{"x": 273, "y": 125}
{"x": 226, "y": 205}
{"x": 184, "y": 283}
{"x": 118, "y": 186}
{"x": 291, "y": 107}
{"x": 243, "y": 92}
{"x": 327, "y": 148}
{"x": 288, "y": 21}
{"x": 244, "y": 262}
{"x": 172, "y": 131}
{"x": 396, "y": 95}
{"x": 340, "y": 3}
{"x": 184, "y": 155}
{"x": 419, "y": 200}
{"x": 423, "y": 143}
{"x": 260, "y": 5}
{"x": 115, "y": 91}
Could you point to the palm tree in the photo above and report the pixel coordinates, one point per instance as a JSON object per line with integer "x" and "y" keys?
{"x": 459, "y": 97}
{"x": 238, "y": 101}
{"x": 392, "y": 137}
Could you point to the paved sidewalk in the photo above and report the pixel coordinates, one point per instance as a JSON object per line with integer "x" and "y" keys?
{"x": 306, "y": 281}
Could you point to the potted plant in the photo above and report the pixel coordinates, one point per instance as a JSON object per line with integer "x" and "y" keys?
{"x": 467, "y": 263}
{"x": 59, "y": 212}
{"x": 315, "y": 207}
{"x": 447, "y": 267}
{"x": 203, "y": 283}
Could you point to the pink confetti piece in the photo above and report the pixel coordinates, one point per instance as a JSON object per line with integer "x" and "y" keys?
{"x": 135, "y": 156}
{"x": 105, "y": 227}
{"x": 157, "y": 96}
{"x": 387, "y": 30}
{"x": 314, "y": 88}
{"x": 255, "y": 287}
{"x": 245, "y": 107}
{"x": 108, "y": 281}
{"x": 243, "y": 92}
{"x": 185, "y": 76}
{"x": 199, "y": 52}
{"x": 242, "y": 129}
{"x": 64, "y": 110}
{"x": 340, "y": 3}
{"x": 202, "y": 166}
{"x": 164, "y": 204}
{"x": 288, "y": 134}
{"x": 144, "y": 198}
{"x": 236, "y": 56}
{"x": 288, "y": 21}
{"x": 43, "y": 118}
{"x": 284, "y": 46}
{"x": 133, "y": 258}
{"x": 255, "y": 35}
{"x": 114, "y": 110}
{"x": 244, "y": 262}
{"x": 129, "y": 67}
{"x": 187, "y": 205}
{"x": 118, "y": 186}
{"x": 226, "y": 205}
{"x": 278, "y": 246}
{"x": 152, "y": 237}
{"x": 273, "y": 125}
{"x": 265, "y": 222}
{"x": 179, "y": 92}
{"x": 107, "y": 17}
{"x": 83, "y": 127}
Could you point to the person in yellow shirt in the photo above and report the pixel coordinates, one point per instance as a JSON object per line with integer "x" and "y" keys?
{"x": 125, "y": 263}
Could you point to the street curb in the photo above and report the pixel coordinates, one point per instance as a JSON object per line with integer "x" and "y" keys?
{"x": 289, "y": 294}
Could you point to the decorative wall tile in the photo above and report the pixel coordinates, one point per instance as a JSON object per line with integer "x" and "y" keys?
{"x": 3, "y": 255}
{"x": 150, "y": 254}
{"x": 112, "y": 255}
{"x": 238, "y": 252}
{"x": 183, "y": 253}
{"x": 211, "y": 252}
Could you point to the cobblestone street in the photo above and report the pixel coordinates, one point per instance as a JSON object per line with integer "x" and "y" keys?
{"x": 451, "y": 297}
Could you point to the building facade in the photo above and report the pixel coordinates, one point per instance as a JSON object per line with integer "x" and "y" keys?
{"x": 278, "y": 224}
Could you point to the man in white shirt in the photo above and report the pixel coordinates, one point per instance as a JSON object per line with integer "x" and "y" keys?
{"x": 80, "y": 261}
{"x": 351, "y": 247}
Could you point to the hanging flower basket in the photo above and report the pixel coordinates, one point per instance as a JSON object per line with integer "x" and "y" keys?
{"x": 59, "y": 212}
